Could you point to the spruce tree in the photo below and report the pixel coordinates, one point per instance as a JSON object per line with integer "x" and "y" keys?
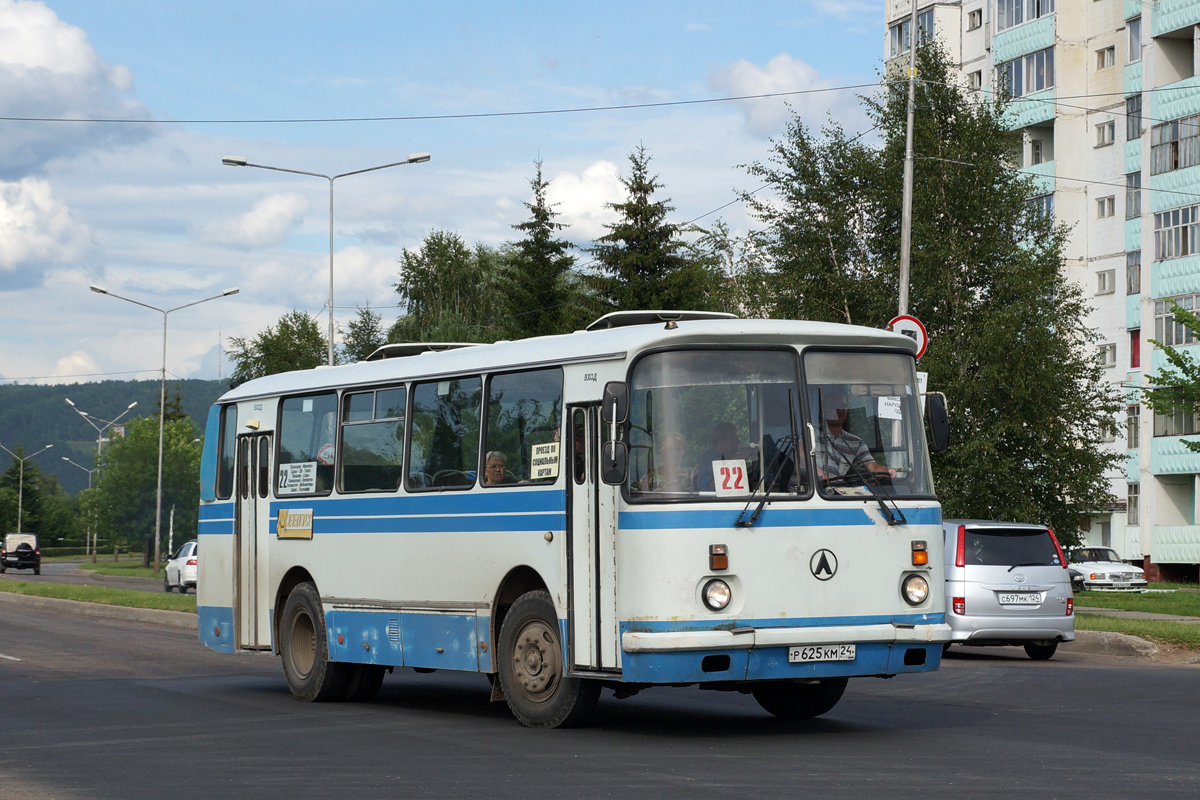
{"x": 535, "y": 290}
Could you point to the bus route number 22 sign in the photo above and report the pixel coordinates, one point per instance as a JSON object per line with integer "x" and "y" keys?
{"x": 729, "y": 477}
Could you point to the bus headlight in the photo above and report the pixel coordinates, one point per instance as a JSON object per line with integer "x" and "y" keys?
{"x": 915, "y": 589}
{"x": 717, "y": 594}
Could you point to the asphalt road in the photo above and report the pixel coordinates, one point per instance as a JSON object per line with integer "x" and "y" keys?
{"x": 69, "y": 572}
{"x": 106, "y": 709}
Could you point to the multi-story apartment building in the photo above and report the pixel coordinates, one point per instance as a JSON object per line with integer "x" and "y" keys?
{"x": 1107, "y": 99}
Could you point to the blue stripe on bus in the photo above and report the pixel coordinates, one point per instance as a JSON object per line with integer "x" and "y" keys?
{"x": 442, "y": 524}
{"x": 216, "y": 510}
{"x": 770, "y": 518}
{"x": 215, "y": 624}
{"x": 215, "y": 527}
{"x": 771, "y": 663}
{"x": 480, "y": 502}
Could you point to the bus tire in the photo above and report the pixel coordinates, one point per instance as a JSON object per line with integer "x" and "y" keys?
{"x": 310, "y": 674}
{"x": 531, "y": 668}
{"x": 800, "y": 700}
{"x": 363, "y": 683}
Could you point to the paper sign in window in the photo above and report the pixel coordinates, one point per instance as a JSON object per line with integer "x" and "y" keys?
{"x": 889, "y": 408}
{"x": 297, "y": 478}
{"x": 543, "y": 461}
{"x": 729, "y": 477}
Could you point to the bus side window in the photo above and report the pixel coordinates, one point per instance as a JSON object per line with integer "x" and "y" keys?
{"x": 579, "y": 444}
{"x": 307, "y": 427}
{"x": 444, "y": 445}
{"x": 372, "y": 441}
{"x": 228, "y": 448}
{"x": 524, "y": 426}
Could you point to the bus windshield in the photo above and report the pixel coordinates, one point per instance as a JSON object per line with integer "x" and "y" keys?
{"x": 863, "y": 408}
{"x": 714, "y": 424}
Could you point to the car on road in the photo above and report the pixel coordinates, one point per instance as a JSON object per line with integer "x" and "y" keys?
{"x": 1007, "y": 584}
{"x": 21, "y": 551}
{"x": 181, "y": 569}
{"x": 1104, "y": 571}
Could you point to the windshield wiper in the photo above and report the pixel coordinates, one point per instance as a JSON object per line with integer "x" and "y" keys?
{"x": 1029, "y": 564}
{"x": 893, "y": 515}
{"x": 771, "y": 473}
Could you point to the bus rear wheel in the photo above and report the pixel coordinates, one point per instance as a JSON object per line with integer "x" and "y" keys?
{"x": 800, "y": 700}
{"x": 532, "y": 674}
{"x": 310, "y": 674}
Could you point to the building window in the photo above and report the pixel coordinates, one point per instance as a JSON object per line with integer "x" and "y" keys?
{"x": 1135, "y": 348}
{"x": 1028, "y": 74}
{"x": 1106, "y": 280}
{"x": 1132, "y": 504}
{"x": 1176, "y": 232}
{"x": 1180, "y": 423}
{"x": 975, "y": 19}
{"x": 1106, "y": 354}
{"x": 976, "y": 79}
{"x": 1035, "y": 152}
{"x": 1106, "y": 134}
{"x": 1133, "y": 195}
{"x": 1043, "y": 204}
{"x": 1105, "y": 207}
{"x": 1133, "y": 425}
{"x": 1133, "y": 272}
{"x": 1106, "y": 57}
{"x": 1167, "y": 330}
{"x": 1175, "y": 145}
{"x": 1015, "y": 12}
{"x": 1133, "y": 117}
{"x": 898, "y": 34}
{"x": 1134, "y": 51}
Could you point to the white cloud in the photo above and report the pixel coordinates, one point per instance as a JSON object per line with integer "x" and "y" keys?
{"x": 36, "y": 231}
{"x": 768, "y": 116}
{"x": 48, "y": 69}
{"x": 580, "y": 198}
{"x": 848, "y": 10}
{"x": 266, "y": 224}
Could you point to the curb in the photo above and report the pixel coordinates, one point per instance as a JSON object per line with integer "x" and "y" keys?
{"x": 178, "y": 620}
{"x": 1112, "y": 644}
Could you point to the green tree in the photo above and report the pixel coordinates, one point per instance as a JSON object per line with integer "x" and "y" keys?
{"x": 642, "y": 261}
{"x": 536, "y": 287}
{"x": 362, "y": 336}
{"x": 26, "y": 488}
{"x": 125, "y": 488}
{"x": 1008, "y": 340}
{"x": 1177, "y": 387}
{"x": 294, "y": 342}
{"x": 174, "y": 405}
{"x": 448, "y": 291}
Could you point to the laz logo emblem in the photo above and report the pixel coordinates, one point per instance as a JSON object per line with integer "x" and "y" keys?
{"x": 823, "y": 564}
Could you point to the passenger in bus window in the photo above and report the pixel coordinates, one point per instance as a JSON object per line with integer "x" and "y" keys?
{"x": 840, "y": 452}
{"x": 668, "y": 473}
{"x": 495, "y": 470}
{"x": 727, "y": 444}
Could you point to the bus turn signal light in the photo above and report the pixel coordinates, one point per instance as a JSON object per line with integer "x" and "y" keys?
{"x": 920, "y": 555}
{"x": 718, "y": 557}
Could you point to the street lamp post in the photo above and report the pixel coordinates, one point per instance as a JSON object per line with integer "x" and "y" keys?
{"x": 99, "y": 429}
{"x": 82, "y": 467}
{"x": 162, "y": 400}
{"x": 91, "y": 534}
{"x": 21, "y": 478}
{"x": 239, "y": 161}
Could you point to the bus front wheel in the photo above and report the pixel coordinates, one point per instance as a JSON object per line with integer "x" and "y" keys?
{"x": 800, "y": 700}
{"x": 532, "y": 673}
{"x": 310, "y": 674}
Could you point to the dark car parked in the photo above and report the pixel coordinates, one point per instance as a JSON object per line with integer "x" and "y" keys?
{"x": 21, "y": 551}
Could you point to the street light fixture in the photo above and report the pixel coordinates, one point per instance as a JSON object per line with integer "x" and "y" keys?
{"x": 241, "y": 161}
{"x": 162, "y": 399}
{"x": 99, "y": 430}
{"x": 21, "y": 479}
{"x": 85, "y": 469}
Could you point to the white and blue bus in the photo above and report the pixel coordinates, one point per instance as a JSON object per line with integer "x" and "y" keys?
{"x": 666, "y": 498}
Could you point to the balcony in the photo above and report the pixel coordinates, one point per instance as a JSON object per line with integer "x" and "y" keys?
{"x": 1175, "y": 544}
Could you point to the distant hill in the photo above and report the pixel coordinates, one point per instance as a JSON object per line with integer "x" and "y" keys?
{"x": 35, "y": 416}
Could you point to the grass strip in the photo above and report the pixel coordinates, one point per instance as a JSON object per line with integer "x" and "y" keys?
{"x": 1186, "y": 604}
{"x": 130, "y": 598}
{"x": 1177, "y": 634}
{"x": 127, "y": 569}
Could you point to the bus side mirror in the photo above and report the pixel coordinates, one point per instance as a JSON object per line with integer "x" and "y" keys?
{"x": 614, "y": 463}
{"x": 616, "y": 403}
{"x": 614, "y": 454}
{"x": 939, "y": 422}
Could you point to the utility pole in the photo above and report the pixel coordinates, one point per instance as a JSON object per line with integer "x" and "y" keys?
{"x": 906, "y": 201}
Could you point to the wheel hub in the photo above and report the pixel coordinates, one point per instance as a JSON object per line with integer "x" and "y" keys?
{"x": 537, "y": 661}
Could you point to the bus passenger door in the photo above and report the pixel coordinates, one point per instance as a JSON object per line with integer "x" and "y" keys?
{"x": 253, "y": 531}
{"x": 591, "y": 581}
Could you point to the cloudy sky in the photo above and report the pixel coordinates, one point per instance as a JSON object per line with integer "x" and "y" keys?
{"x": 146, "y": 209}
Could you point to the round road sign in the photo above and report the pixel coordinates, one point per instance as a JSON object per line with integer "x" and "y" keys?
{"x": 912, "y": 328}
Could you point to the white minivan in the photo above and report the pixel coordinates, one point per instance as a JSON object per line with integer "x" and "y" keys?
{"x": 1007, "y": 584}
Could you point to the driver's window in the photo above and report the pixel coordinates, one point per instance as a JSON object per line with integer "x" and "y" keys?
{"x": 444, "y": 443}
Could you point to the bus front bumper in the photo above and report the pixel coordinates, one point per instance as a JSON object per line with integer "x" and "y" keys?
{"x": 762, "y": 653}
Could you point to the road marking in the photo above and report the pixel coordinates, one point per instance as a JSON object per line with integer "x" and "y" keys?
{"x": 10, "y": 658}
